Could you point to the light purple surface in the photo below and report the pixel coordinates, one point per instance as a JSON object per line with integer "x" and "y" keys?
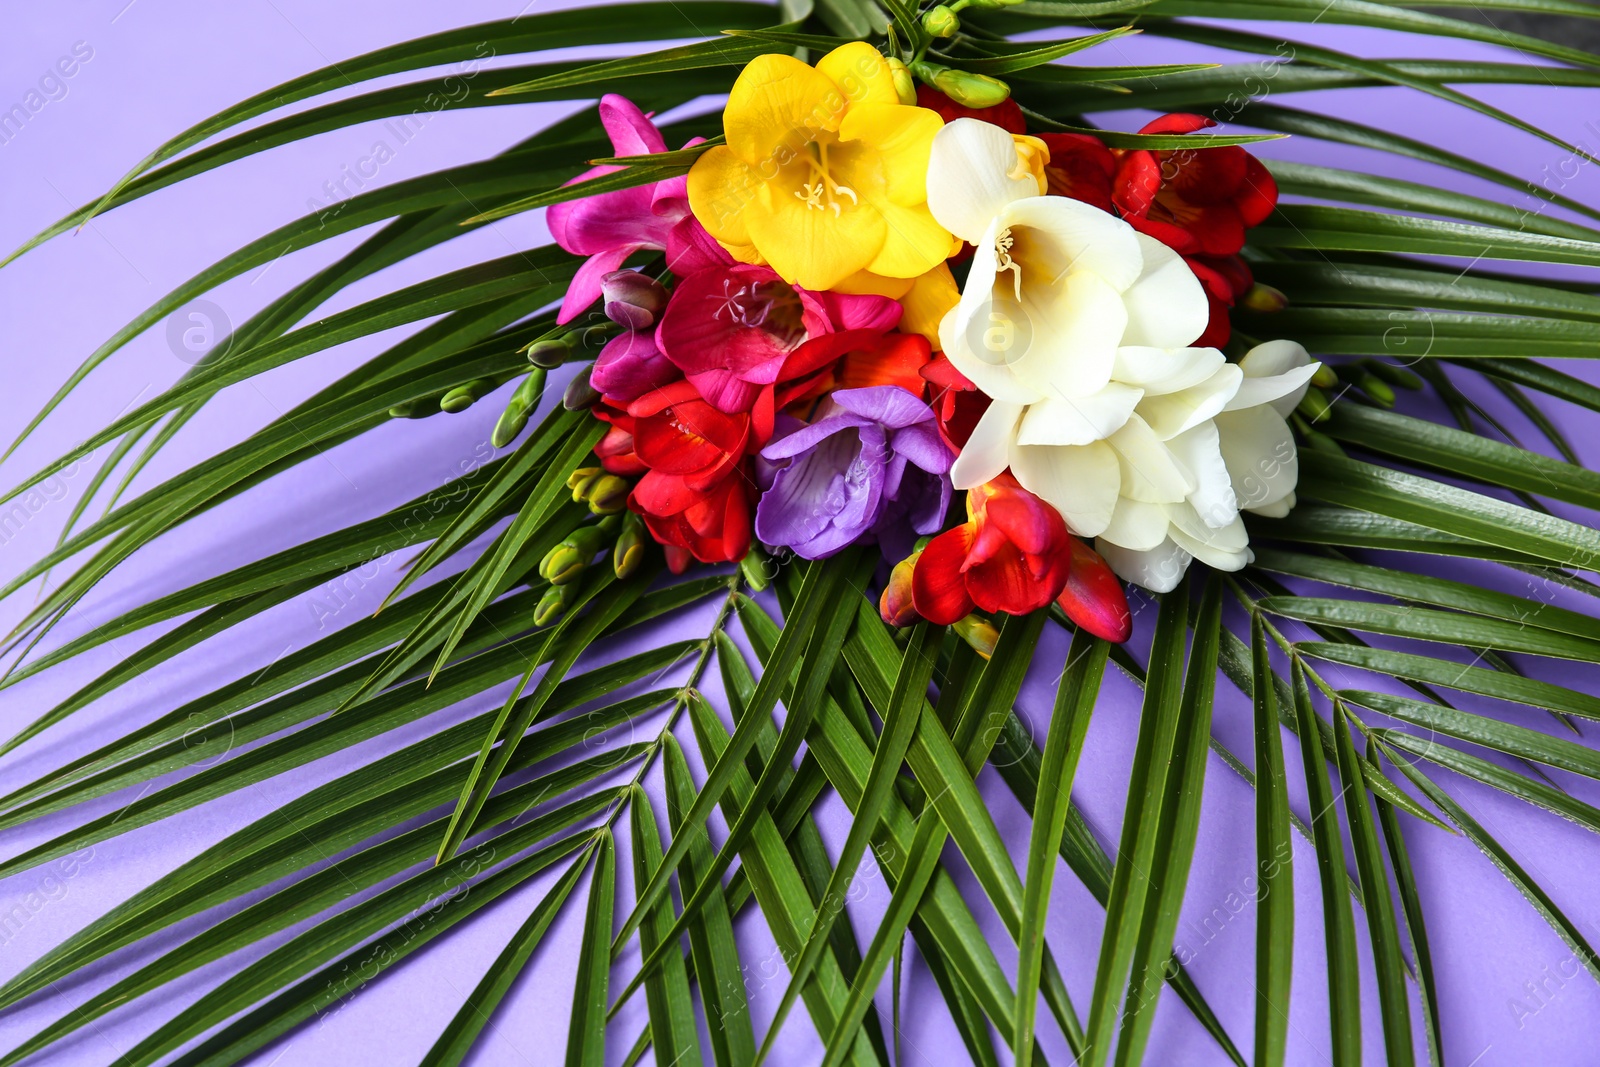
{"x": 159, "y": 65}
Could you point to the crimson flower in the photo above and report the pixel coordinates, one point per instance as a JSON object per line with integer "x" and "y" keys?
{"x": 957, "y": 404}
{"x": 1012, "y": 554}
{"x": 1081, "y": 167}
{"x": 1196, "y": 201}
{"x": 696, "y": 493}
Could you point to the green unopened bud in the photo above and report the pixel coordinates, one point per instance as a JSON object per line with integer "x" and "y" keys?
{"x": 607, "y": 494}
{"x": 518, "y": 409}
{"x": 416, "y": 409}
{"x": 964, "y": 87}
{"x": 463, "y": 397}
{"x": 1261, "y": 297}
{"x": 580, "y": 480}
{"x": 905, "y": 86}
{"x": 1379, "y": 390}
{"x": 1398, "y": 377}
{"x": 978, "y": 632}
{"x": 551, "y": 352}
{"x": 580, "y": 395}
{"x": 940, "y": 21}
{"x": 552, "y": 605}
{"x": 1315, "y": 406}
{"x": 1318, "y": 441}
{"x": 895, "y": 605}
{"x": 1325, "y": 377}
{"x": 631, "y": 545}
{"x": 754, "y": 569}
{"x": 566, "y": 561}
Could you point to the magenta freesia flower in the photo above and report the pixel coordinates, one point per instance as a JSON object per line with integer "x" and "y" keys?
{"x": 630, "y": 365}
{"x": 610, "y": 227}
{"x": 872, "y": 464}
{"x": 731, "y": 328}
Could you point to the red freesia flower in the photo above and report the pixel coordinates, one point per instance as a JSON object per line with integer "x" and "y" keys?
{"x": 697, "y": 491}
{"x": 1012, "y": 554}
{"x": 1225, "y": 279}
{"x": 1007, "y": 114}
{"x": 858, "y": 359}
{"x": 1081, "y": 167}
{"x": 1195, "y": 201}
{"x": 957, "y": 404}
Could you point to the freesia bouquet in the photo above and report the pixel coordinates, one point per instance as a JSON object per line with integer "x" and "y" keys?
{"x": 881, "y": 362}
{"x": 879, "y": 295}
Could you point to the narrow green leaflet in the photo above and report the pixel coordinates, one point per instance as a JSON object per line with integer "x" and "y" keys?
{"x": 1069, "y": 724}
{"x": 1274, "y": 864}
{"x": 673, "y": 1032}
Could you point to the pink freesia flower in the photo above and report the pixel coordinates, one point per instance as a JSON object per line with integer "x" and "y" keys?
{"x": 610, "y": 227}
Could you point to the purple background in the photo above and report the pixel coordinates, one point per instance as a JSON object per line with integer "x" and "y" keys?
{"x": 158, "y": 66}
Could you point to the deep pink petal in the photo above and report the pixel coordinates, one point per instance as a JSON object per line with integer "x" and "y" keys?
{"x": 631, "y": 133}
{"x": 585, "y": 287}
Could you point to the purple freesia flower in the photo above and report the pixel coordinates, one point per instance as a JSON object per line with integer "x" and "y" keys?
{"x": 871, "y": 465}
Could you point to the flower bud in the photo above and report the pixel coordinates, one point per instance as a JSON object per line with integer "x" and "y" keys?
{"x": 1398, "y": 377}
{"x": 566, "y": 561}
{"x": 940, "y": 21}
{"x": 580, "y": 480}
{"x": 551, "y": 352}
{"x": 754, "y": 569}
{"x": 978, "y": 632}
{"x": 1261, "y": 297}
{"x": 904, "y": 84}
{"x": 631, "y": 544}
{"x": 1375, "y": 387}
{"x": 518, "y": 409}
{"x": 678, "y": 559}
{"x": 607, "y": 494}
{"x": 632, "y": 299}
{"x": 415, "y": 409}
{"x": 552, "y": 605}
{"x": 1324, "y": 378}
{"x": 970, "y": 90}
{"x": 895, "y": 604}
{"x": 580, "y": 395}
{"x": 1093, "y": 598}
{"x": 463, "y": 397}
{"x": 1315, "y": 406}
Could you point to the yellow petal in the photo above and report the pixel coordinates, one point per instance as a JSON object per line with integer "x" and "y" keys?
{"x": 721, "y": 186}
{"x": 861, "y": 73}
{"x": 866, "y": 283}
{"x": 811, "y": 248}
{"x": 931, "y": 295}
{"x": 914, "y": 243}
{"x": 903, "y": 137}
{"x": 773, "y": 104}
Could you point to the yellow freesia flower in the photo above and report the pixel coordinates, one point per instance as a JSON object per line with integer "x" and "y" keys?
{"x": 825, "y": 172}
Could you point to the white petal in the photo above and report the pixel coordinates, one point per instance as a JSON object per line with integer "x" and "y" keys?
{"x": 1259, "y": 450}
{"x": 988, "y": 450}
{"x": 1226, "y": 550}
{"x": 1213, "y": 498}
{"x": 1273, "y": 358}
{"x": 1149, "y": 469}
{"x": 1069, "y": 235}
{"x": 1275, "y": 511}
{"x": 968, "y": 179}
{"x": 1282, "y": 391}
{"x": 988, "y": 331}
{"x": 1078, "y": 420}
{"x": 1173, "y": 413}
{"x": 1158, "y": 570}
{"x": 1137, "y": 525}
{"x": 1165, "y": 370}
{"x": 1167, "y": 308}
{"x": 1079, "y": 481}
{"x": 1075, "y": 328}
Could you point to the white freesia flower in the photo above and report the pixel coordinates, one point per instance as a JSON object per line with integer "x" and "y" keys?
{"x": 1061, "y": 299}
{"x": 1179, "y": 497}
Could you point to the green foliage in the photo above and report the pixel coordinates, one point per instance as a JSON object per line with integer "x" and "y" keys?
{"x": 898, "y": 727}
